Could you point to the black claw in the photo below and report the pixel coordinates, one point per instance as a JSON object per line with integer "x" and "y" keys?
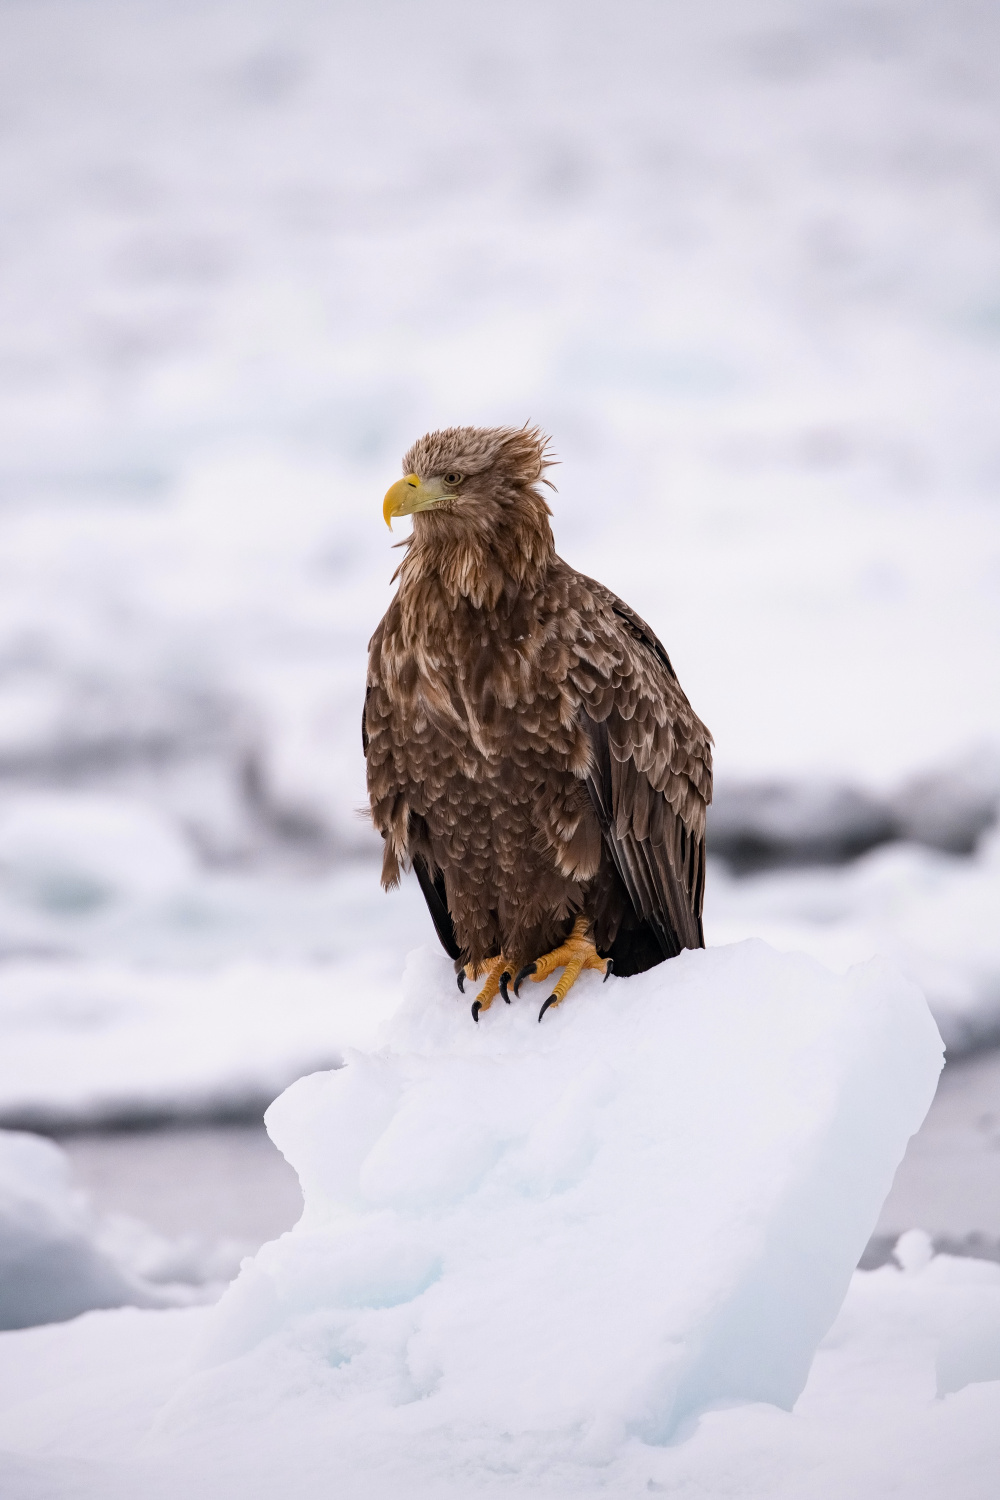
{"x": 608, "y": 970}
{"x": 476, "y": 1008}
{"x": 523, "y": 974}
{"x": 460, "y": 976}
{"x": 504, "y": 981}
{"x": 550, "y": 1001}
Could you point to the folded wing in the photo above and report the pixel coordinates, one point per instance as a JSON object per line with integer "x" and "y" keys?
{"x": 650, "y": 782}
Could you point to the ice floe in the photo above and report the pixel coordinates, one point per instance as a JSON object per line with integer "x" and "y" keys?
{"x": 600, "y": 1255}
{"x": 596, "y": 1227}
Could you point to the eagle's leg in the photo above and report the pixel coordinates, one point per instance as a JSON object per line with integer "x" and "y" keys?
{"x": 497, "y": 972}
{"x": 573, "y": 956}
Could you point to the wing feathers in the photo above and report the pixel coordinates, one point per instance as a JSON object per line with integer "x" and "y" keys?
{"x": 650, "y": 778}
{"x": 437, "y": 904}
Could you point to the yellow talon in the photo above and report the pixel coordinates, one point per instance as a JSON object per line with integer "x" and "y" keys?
{"x": 497, "y": 974}
{"x": 573, "y": 956}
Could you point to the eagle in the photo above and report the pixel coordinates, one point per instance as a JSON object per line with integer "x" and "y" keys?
{"x": 530, "y": 753}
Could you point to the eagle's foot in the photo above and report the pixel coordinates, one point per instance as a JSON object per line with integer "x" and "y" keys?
{"x": 497, "y": 975}
{"x": 573, "y": 956}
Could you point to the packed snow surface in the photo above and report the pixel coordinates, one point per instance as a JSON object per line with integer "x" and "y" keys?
{"x": 596, "y": 1253}
{"x": 903, "y": 1398}
{"x": 592, "y": 1228}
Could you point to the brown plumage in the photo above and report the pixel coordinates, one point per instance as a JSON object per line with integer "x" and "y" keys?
{"x": 530, "y": 751}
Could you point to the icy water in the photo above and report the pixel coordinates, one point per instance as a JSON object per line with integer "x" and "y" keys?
{"x": 225, "y": 1182}
{"x": 230, "y": 1182}
{"x": 949, "y": 1181}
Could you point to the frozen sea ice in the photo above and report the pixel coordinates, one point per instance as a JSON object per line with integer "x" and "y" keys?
{"x": 563, "y": 1238}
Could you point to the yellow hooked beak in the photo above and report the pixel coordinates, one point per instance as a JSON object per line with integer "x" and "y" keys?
{"x": 412, "y": 494}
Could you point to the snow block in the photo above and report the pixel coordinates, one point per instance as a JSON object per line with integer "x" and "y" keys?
{"x": 595, "y": 1227}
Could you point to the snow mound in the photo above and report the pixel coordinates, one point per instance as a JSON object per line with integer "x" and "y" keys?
{"x": 574, "y": 1233}
{"x": 58, "y": 1260}
{"x": 81, "y": 1404}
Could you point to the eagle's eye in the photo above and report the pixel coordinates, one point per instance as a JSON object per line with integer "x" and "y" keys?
{"x": 453, "y": 478}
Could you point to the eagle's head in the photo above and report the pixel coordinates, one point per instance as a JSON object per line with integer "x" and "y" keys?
{"x": 473, "y": 476}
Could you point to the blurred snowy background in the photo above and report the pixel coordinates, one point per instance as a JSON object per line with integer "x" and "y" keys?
{"x": 741, "y": 260}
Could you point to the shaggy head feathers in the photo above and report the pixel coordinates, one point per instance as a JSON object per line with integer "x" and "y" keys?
{"x": 490, "y": 533}
{"x": 514, "y": 454}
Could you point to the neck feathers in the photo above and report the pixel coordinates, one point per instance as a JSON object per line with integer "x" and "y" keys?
{"x": 508, "y": 547}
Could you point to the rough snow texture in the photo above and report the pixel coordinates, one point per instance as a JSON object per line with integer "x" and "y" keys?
{"x": 57, "y": 1259}
{"x": 903, "y": 1398}
{"x": 592, "y": 1229}
{"x": 532, "y": 1255}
